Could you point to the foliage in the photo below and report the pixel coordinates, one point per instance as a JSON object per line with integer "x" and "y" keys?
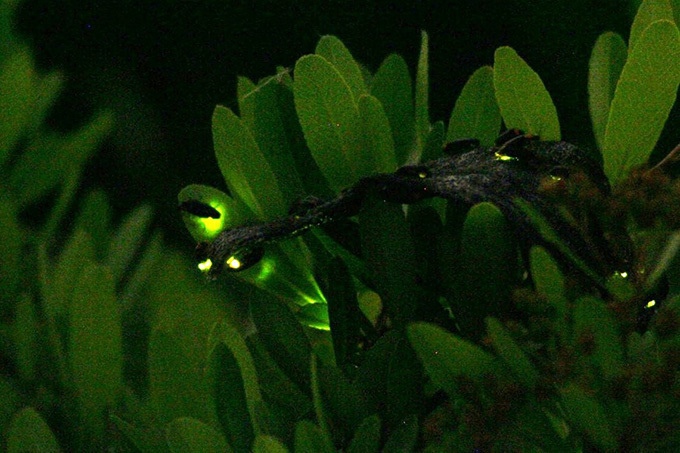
{"x": 341, "y": 352}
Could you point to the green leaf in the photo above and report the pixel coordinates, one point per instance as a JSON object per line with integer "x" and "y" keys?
{"x": 94, "y": 217}
{"x": 392, "y": 86}
{"x": 513, "y": 356}
{"x": 388, "y": 249}
{"x": 177, "y": 388}
{"x": 377, "y": 135}
{"x": 16, "y": 96}
{"x": 649, "y": 12}
{"x": 591, "y": 317}
{"x": 665, "y": 260}
{"x": 643, "y": 99}
{"x": 403, "y": 439}
{"x": 245, "y": 91}
{"x": 522, "y": 98}
{"x": 26, "y": 351}
{"x": 11, "y": 243}
{"x": 314, "y": 315}
{"x": 329, "y": 118}
{"x": 343, "y": 311}
{"x": 587, "y": 414}
{"x": 95, "y": 348}
{"x": 145, "y": 269}
{"x": 367, "y": 436}
{"x": 310, "y": 438}
{"x": 127, "y": 239}
{"x": 446, "y": 356}
{"x": 247, "y": 173}
{"x": 606, "y": 63}
{"x": 476, "y": 114}
{"x": 434, "y": 144}
{"x": 268, "y": 444}
{"x": 188, "y": 435}
{"x": 28, "y": 432}
{"x": 335, "y": 52}
{"x": 46, "y": 91}
{"x": 232, "y": 213}
{"x": 284, "y": 339}
{"x": 317, "y": 400}
{"x": 549, "y": 282}
{"x": 422, "y": 115}
{"x": 146, "y": 441}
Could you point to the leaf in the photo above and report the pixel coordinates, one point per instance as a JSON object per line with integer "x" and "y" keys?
{"x": 522, "y": 98}
{"x": 26, "y": 351}
{"x": 284, "y": 339}
{"x": 377, "y": 136}
{"x": 388, "y": 249}
{"x": 188, "y": 435}
{"x": 314, "y": 315}
{"x": 245, "y": 90}
{"x": 144, "y": 270}
{"x": 643, "y": 99}
{"x": 16, "y": 96}
{"x": 391, "y": 85}
{"x": 232, "y": 213}
{"x": 335, "y": 52}
{"x": 144, "y": 440}
{"x": 422, "y": 115}
{"x": 587, "y": 413}
{"x": 649, "y": 12}
{"x": 127, "y": 240}
{"x": 665, "y": 260}
{"x": 591, "y": 317}
{"x": 513, "y": 356}
{"x": 403, "y": 439}
{"x": 310, "y": 438}
{"x": 367, "y": 437}
{"x": 343, "y": 311}
{"x": 446, "y": 356}
{"x": 435, "y": 142}
{"x": 549, "y": 282}
{"x": 329, "y": 116}
{"x": 28, "y": 432}
{"x": 317, "y": 400}
{"x": 476, "y": 114}
{"x": 45, "y": 91}
{"x": 268, "y": 444}
{"x": 95, "y": 348}
{"x": 94, "y": 217}
{"x": 248, "y": 175}
{"x": 606, "y": 63}
{"x": 11, "y": 243}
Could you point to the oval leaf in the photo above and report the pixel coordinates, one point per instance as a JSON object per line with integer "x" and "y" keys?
{"x": 511, "y": 353}
{"x": 643, "y": 99}
{"x": 422, "y": 115}
{"x": 335, "y": 52}
{"x": 377, "y": 135}
{"x": 592, "y": 319}
{"x": 587, "y": 413}
{"x": 476, "y": 113}
{"x": 268, "y": 444}
{"x": 188, "y": 435}
{"x": 522, "y": 98}
{"x": 367, "y": 436}
{"x": 649, "y": 12}
{"x": 28, "y": 432}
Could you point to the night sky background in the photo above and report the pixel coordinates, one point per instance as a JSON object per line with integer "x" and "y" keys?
{"x": 162, "y": 66}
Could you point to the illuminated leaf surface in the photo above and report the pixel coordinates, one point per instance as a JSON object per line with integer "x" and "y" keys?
{"x": 16, "y": 93}
{"x": 513, "y": 356}
{"x": 268, "y": 444}
{"x": 245, "y": 91}
{"x": 78, "y": 253}
{"x": 28, "y": 432}
{"x": 606, "y": 63}
{"x": 476, "y": 114}
{"x": 188, "y": 435}
{"x": 643, "y": 99}
{"x": 205, "y": 229}
{"x": 335, "y": 52}
{"x": 329, "y": 118}
{"x": 593, "y": 319}
{"x": 649, "y": 12}
{"x": 587, "y": 413}
{"x": 434, "y": 144}
{"x": 522, "y": 98}
{"x": 422, "y": 115}
{"x": 549, "y": 282}
{"x": 343, "y": 310}
{"x": 377, "y": 135}
{"x": 392, "y": 86}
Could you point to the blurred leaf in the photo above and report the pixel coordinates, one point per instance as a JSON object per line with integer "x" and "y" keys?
{"x": 513, "y": 356}
{"x": 310, "y": 438}
{"x": 46, "y": 91}
{"x": 587, "y": 413}
{"x": 143, "y": 271}
{"x": 232, "y": 213}
{"x": 434, "y": 144}
{"x": 188, "y": 435}
{"x": 317, "y": 399}
{"x": 606, "y": 63}
{"x": 268, "y": 444}
{"x": 446, "y": 356}
{"x": 643, "y": 99}
{"x": 592, "y": 318}
{"x": 388, "y": 249}
{"x": 16, "y": 98}
{"x": 140, "y": 438}
{"x": 94, "y": 217}
{"x": 245, "y": 90}
{"x": 403, "y": 438}
{"x": 28, "y": 432}
{"x": 284, "y": 339}
{"x": 366, "y": 437}
{"x": 335, "y": 52}
{"x": 26, "y": 352}
{"x": 377, "y": 135}
{"x": 329, "y": 118}
{"x": 549, "y": 282}
{"x": 177, "y": 388}
{"x": 343, "y": 311}
{"x": 522, "y": 98}
{"x": 476, "y": 114}
{"x": 665, "y": 259}
{"x": 422, "y": 115}
{"x": 95, "y": 349}
{"x": 127, "y": 240}
{"x": 11, "y": 239}
{"x": 391, "y": 85}
{"x": 247, "y": 173}
{"x": 649, "y": 12}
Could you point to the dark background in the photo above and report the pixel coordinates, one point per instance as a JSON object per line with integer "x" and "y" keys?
{"x": 162, "y": 66}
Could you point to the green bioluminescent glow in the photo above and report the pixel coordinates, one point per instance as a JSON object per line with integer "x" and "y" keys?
{"x": 651, "y": 303}
{"x": 503, "y": 157}
{"x": 233, "y": 263}
{"x": 214, "y": 226}
{"x": 205, "y": 265}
